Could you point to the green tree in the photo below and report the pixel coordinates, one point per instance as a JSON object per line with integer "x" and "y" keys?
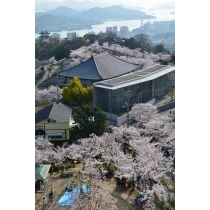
{"x": 89, "y": 119}
{"x": 159, "y": 48}
{"x": 66, "y": 95}
{"x": 144, "y": 42}
{"x": 131, "y": 43}
{"x": 76, "y": 94}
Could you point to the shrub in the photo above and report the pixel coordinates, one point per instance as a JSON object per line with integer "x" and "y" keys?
{"x": 111, "y": 168}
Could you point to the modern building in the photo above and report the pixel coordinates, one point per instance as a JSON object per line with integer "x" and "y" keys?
{"x": 114, "y": 29}
{"x": 97, "y": 68}
{"x": 108, "y": 29}
{"x": 71, "y": 35}
{"x": 111, "y": 29}
{"x": 142, "y": 86}
{"x": 54, "y": 121}
{"x": 124, "y": 30}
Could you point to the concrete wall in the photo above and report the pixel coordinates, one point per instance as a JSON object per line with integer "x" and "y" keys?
{"x": 166, "y": 107}
{"x": 62, "y": 127}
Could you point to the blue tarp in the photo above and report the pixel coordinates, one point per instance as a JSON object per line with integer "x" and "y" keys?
{"x": 69, "y": 198}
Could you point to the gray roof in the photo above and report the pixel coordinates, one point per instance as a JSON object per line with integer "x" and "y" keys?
{"x": 100, "y": 67}
{"x": 136, "y": 77}
{"x": 58, "y": 112}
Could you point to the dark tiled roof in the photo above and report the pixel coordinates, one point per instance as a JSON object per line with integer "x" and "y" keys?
{"x": 100, "y": 67}
{"x": 85, "y": 70}
{"x": 58, "y": 112}
{"x": 109, "y": 66}
{"x": 43, "y": 114}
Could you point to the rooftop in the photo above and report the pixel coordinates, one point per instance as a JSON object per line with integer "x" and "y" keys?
{"x": 135, "y": 77}
{"x": 41, "y": 171}
{"x": 100, "y": 67}
{"x": 58, "y": 112}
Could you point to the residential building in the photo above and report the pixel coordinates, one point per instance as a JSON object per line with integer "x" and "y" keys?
{"x": 54, "y": 121}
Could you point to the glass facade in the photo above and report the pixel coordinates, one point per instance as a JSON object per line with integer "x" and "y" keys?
{"x": 113, "y": 101}
{"x": 163, "y": 84}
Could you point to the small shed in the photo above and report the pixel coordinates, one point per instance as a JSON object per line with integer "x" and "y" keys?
{"x": 41, "y": 172}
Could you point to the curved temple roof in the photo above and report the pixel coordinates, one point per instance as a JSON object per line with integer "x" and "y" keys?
{"x": 100, "y": 67}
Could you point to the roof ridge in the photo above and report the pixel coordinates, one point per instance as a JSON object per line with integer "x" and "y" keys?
{"x": 76, "y": 65}
{"x": 125, "y": 61}
{"x": 97, "y": 67}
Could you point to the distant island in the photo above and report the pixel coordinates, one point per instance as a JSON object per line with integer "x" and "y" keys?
{"x": 64, "y": 18}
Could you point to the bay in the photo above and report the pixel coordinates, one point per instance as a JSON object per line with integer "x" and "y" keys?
{"x": 161, "y": 15}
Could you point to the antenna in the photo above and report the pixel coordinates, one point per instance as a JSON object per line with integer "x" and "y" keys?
{"x": 57, "y": 100}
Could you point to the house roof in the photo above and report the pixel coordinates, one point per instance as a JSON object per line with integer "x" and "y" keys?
{"x": 58, "y": 112}
{"x": 100, "y": 67}
{"x": 41, "y": 171}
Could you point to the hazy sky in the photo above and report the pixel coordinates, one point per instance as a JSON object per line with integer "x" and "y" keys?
{"x": 133, "y": 3}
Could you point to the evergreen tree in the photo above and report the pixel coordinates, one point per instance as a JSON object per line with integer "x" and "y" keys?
{"x": 89, "y": 119}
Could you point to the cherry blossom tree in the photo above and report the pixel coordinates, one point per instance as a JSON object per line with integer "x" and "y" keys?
{"x": 133, "y": 56}
{"x": 46, "y": 96}
{"x": 44, "y": 150}
{"x": 137, "y": 153}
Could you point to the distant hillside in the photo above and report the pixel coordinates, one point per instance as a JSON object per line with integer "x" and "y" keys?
{"x": 114, "y": 13}
{"x": 74, "y": 4}
{"x": 65, "y": 18}
{"x": 63, "y": 11}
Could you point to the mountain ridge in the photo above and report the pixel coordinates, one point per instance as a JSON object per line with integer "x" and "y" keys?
{"x": 66, "y": 18}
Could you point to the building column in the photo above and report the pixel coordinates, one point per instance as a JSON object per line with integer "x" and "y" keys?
{"x": 110, "y": 107}
{"x": 94, "y": 95}
{"x": 153, "y": 89}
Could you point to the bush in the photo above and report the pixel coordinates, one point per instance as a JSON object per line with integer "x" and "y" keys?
{"x": 70, "y": 165}
{"x": 111, "y": 168}
{"x": 56, "y": 168}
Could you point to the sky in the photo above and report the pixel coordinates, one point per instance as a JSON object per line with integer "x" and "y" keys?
{"x": 133, "y": 3}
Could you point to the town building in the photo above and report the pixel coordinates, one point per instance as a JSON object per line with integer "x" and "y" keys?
{"x": 44, "y": 35}
{"x": 124, "y": 31}
{"x": 71, "y": 35}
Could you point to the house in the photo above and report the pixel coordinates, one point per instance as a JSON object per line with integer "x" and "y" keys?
{"x": 97, "y": 68}
{"x": 41, "y": 172}
{"x": 54, "y": 121}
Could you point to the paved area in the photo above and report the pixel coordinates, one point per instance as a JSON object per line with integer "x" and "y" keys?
{"x": 125, "y": 200}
